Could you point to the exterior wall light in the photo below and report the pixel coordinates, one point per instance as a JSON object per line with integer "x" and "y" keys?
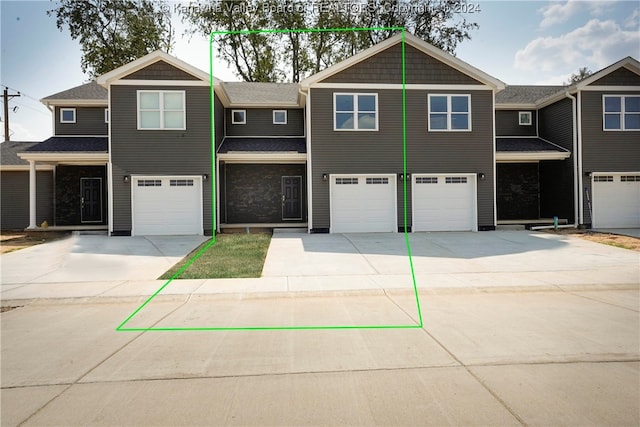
{"x": 325, "y": 176}
{"x": 125, "y": 178}
{"x": 205, "y": 177}
{"x": 402, "y": 177}
{"x": 481, "y": 176}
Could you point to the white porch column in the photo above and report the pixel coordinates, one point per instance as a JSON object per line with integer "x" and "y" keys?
{"x": 32, "y": 194}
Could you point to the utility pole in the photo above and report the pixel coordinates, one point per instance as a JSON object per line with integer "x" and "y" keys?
{"x": 6, "y": 97}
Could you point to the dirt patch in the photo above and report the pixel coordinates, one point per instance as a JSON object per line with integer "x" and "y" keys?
{"x": 14, "y": 240}
{"x": 625, "y": 242}
{"x": 6, "y": 308}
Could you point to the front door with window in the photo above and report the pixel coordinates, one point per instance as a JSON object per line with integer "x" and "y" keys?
{"x": 91, "y": 199}
{"x": 291, "y": 198}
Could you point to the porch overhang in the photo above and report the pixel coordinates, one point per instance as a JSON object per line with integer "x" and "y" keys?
{"x": 262, "y": 157}
{"x": 531, "y": 156}
{"x": 263, "y": 150}
{"x": 68, "y": 158}
{"x": 528, "y": 149}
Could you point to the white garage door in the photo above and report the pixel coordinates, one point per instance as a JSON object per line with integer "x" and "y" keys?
{"x": 616, "y": 200}
{"x": 444, "y": 202}
{"x": 363, "y": 203}
{"x": 167, "y": 205}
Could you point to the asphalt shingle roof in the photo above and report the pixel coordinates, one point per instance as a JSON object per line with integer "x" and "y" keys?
{"x": 264, "y": 145}
{"x": 526, "y": 94}
{"x": 525, "y": 145}
{"x": 91, "y": 90}
{"x": 65, "y": 144}
{"x": 9, "y": 152}
{"x": 248, "y": 93}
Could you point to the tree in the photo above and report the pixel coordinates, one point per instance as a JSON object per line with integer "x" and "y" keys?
{"x": 582, "y": 74}
{"x": 115, "y": 32}
{"x": 292, "y": 55}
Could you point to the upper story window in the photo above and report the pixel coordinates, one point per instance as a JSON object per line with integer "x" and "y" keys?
{"x": 161, "y": 109}
{"x": 67, "y": 115}
{"x": 621, "y": 112}
{"x": 279, "y": 117}
{"x": 355, "y": 111}
{"x": 238, "y": 117}
{"x": 524, "y": 118}
{"x": 449, "y": 112}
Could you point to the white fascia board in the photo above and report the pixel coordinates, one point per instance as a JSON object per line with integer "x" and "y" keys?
{"x": 531, "y": 156}
{"x": 612, "y": 89}
{"x": 516, "y": 106}
{"x": 75, "y": 102}
{"x": 258, "y": 157}
{"x": 397, "y": 86}
{"x": 25, "y": 168}
{"x": 147, "y": 60}
{"x": 219, "y": 90}
{"x": 65, "y": 157}
{"x": 160, "y": 83}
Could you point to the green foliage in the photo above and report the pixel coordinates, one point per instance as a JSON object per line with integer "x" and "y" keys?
{"x": 294, "y": 56}
{"x": 114, "y": 32}
{"x": 582, "y": 74}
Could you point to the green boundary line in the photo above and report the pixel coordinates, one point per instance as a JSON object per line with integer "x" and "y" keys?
{"x": 121, "y": 327}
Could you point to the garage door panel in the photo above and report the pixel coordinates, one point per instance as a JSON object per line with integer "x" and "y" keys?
{"x": 616, "y": 201}
{"x": 360, "y": 205}
{"x": 167, "y": 206}
{"x": 444, "y": 203}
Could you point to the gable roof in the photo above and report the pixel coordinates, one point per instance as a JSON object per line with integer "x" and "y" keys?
{"x": 89, "y": 93}
{"x": 147, "y": 60}
{"x": 629, "y": 63}
{"x": 417, "y": 43}
{"x": 525, "y": 96}
{"x": 255, "y": 94}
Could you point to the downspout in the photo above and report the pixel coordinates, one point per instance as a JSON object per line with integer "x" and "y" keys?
{"x": 576, "y": 174}
{"x": 578, "y": 129}
{"x": 307, "y": 120}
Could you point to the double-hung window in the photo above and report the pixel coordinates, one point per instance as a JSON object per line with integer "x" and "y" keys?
{"x": 355, "y": 111}
{"x": 449, "y": 112}
{"x": 621, "y": 112}
{"x": 161, "y": 110}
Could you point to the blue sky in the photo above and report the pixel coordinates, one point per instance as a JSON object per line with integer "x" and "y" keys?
{"x": 519, "y": 42}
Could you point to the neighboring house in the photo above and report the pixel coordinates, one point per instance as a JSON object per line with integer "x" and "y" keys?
{"x": 133, "y": 154}
{"x": 355, "y": 135}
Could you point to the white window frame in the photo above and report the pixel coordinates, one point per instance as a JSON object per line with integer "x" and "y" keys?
{"x": 285, "y": 117}
{"x": 526, "y": 114}
{"x": 621, "y": 113}
{"x": 244, "y": 116}
{"x": 449, "y": 112}
{"x": 62, "y": 110}
{"x": 106, "y": 115}
{"x": 355, "y": 111}
{"x": 161, "y": 110}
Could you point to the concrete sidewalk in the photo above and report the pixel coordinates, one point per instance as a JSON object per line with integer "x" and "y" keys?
{"x": 503, "y": 358}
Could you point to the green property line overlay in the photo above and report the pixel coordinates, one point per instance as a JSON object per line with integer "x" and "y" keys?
{"x": 122, "y": 328}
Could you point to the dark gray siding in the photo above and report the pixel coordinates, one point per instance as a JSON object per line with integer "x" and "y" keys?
{"x": 218, "y": 109}
{"x": 14, "y": 199}
{"x": 556, "y": 177}
{"x": 260, "y": 123}
{"x": 89, "y": 121}
{"x": 160, "y": 71}
{"x": 386, "y": 67}
{"x": 611, "y": 151}
{"x": 507, "y": 124}
{"x": 619, "y": 77}
{"x": 161, "y": 152}
{"x": 382, "y": 151}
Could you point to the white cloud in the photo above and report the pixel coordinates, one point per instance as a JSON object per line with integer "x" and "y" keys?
{"x": 596, "y": 45}
{"x": 558, "y": 79}
{"x": 633, "y": 20}
{"x": 559, "y": 12}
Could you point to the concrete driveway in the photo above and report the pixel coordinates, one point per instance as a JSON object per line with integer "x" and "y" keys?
{"x": 447, "y": 259}
{"x": 92, "y": 258}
